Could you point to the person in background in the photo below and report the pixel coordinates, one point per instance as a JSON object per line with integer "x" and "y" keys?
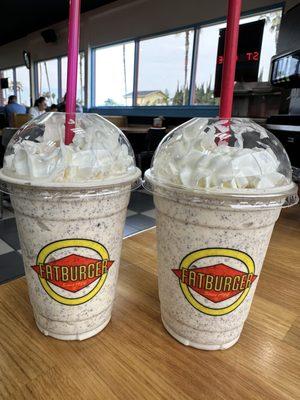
{"x": 62, "y": 106}
{"x": 39, "y": 107}
{"x": 53, "y": 108}
{"x": 13, "y": 107}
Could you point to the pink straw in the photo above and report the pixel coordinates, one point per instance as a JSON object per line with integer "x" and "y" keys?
{"x": 73, "y": 48}
{"x": 230, "y": 55}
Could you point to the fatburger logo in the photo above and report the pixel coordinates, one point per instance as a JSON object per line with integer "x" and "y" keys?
{"x": 218, "y": 282}
{"x": 72, "y": 273}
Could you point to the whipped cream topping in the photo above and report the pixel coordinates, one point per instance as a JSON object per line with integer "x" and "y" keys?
{"x": 202, "y": 155}
{"x": 98, "y": 152}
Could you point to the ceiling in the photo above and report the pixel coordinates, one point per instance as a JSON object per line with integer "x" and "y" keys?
{"x": 19, "y": 17}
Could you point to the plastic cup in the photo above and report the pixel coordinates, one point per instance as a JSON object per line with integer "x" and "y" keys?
{"x": 212, "y": 240}
{"x": 71, "y": 232}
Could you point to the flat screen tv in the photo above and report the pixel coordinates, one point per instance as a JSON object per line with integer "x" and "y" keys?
{"x": 249, "y": 51}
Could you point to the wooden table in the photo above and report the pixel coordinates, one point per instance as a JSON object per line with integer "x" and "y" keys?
{"x": 135, "y": 358}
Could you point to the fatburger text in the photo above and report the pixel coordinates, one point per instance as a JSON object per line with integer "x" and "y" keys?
{"x": 65, "y": 273}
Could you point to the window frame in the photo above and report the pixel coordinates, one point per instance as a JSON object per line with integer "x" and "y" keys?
{"x": 168, "y": 110}
{"x": 59, "y": 69}
{"x": 13, "y": 68}
{"x": 15, "y": 81}
{"x": 36, "y": 80}
{"x": 93, "y": 72}
{"x": 167, "y": 33}
{"x": 61, "y": 93}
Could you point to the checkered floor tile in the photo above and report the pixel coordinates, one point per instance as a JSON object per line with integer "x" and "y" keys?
{"x": 140, "y": 216}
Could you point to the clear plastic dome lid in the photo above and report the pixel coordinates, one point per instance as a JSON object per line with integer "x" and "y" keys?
{"x": 99, "y": 154}
{"x": 221, "y": 156}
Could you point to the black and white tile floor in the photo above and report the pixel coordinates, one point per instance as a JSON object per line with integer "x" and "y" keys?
{"x": 140, "y": 216}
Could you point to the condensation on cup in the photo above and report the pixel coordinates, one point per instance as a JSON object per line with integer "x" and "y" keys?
{"x": 70, "y": 205}
{"x": 219, "y": 187}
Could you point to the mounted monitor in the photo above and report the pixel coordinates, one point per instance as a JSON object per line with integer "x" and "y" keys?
{"x": 249, "y": 50}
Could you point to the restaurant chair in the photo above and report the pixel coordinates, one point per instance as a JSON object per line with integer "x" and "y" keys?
{"x": 153, "y": 138}
{"x": 138, "y": 142}
{"x": 3, "y": 120}
{"x": 19, "y": 120}
{"x": 7, "y": 134}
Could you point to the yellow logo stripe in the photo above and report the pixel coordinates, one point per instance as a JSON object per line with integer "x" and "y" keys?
{"x": 63, "y": 244}
{"x": 215, "y": 252}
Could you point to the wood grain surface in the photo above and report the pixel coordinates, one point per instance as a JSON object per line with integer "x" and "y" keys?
{"x": 135, "y": 358}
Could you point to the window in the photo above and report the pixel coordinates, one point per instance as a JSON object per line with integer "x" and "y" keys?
{"x": 114, "y": 75}
{"x": 207, "y": 54}
{"x": 7, "y": 73}
{"x": 165, "y": 69}
{"x": 47, "y": 74}
{"x": 80, "y": 77}
{"x": 23, "y": 85}
{"x": 161, "y": 75}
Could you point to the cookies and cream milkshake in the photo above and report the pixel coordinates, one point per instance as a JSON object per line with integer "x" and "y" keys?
{"x": 70, "y": 205}
{"x": 219, "y": 187}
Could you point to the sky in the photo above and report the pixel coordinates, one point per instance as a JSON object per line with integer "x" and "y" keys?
{"x": 109, "y": 69}
{"x": 162, "y": 62}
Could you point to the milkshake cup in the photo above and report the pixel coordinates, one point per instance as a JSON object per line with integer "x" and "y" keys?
{"x": 70, "y": 205}
{"x": 219, "y": 187}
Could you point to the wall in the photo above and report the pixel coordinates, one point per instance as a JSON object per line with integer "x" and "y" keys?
{"x": 290, "y": 4}
{"x": 120, "y": 21}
